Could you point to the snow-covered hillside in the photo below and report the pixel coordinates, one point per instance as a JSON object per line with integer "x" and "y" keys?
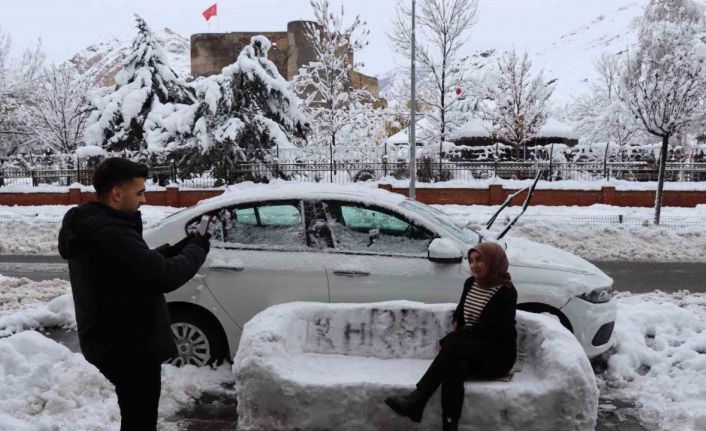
{"x": 604, "y": 26}
{"x": 104, "y": 60}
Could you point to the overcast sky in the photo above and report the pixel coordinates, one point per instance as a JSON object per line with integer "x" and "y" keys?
{"x": 67, "y": 26}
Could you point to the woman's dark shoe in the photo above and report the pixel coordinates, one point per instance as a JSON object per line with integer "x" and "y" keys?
{"x": 411, "y": 405}
{"x": 449, "y": 424}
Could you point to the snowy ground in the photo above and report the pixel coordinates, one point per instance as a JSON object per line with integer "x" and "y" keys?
{"x": 659, "y": 364}
{"x": 598, "y": 232}
{"x": 44, "y": 386}
{"x": 660, "y": 359}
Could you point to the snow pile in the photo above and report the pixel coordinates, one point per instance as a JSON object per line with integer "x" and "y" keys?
{"x": 59, "y": 312}
{"x": 330, "y": 366}
{"x": 44, "y": 386}
{"x": 35, "y": 229}
{"x": 595, "y": 233}
{"x": 18, "y": 292}
{"x": 660, "y": 360}
{"x": 26, "y": 304}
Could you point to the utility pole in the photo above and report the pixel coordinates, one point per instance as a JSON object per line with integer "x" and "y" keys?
{"x": 413, "y": 115}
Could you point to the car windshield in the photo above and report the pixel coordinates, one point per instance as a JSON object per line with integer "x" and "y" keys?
{"x": 465, "y": 234}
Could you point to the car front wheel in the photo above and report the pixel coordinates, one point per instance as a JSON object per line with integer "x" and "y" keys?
{"x": 197, "y": 341}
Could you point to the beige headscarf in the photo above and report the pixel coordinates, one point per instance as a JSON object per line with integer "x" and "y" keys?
{"x": 496, "y": 262}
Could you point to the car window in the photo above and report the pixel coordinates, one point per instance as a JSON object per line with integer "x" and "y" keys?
{"x": 363, "y": 218}
{"x": 269, "y": 225}
{"x": 358, "y": 228}
{"x": 465, "y": 234}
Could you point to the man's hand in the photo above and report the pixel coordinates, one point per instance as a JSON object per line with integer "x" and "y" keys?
{"x": 201, "y": 240}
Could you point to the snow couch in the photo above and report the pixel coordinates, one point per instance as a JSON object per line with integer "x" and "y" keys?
{"x": 315, "y": 366}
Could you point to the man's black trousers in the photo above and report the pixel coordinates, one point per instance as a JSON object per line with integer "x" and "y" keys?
{"x": 457, "y": 360}
{"x": 138, "y": 385}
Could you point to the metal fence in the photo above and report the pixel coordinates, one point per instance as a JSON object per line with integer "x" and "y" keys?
{"x": 347, "y": 172}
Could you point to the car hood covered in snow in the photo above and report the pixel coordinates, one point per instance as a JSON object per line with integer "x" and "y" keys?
{"x": 523, "y": 252}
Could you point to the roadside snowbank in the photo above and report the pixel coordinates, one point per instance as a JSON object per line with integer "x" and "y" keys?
{"x": 44, "y": 386}
{"x": 27, "y": 304}
{"x": 35, "y": 229}
{"x": 330, "y": 366}
{"x": 590, "y": 232}
{"x": 595, "y": 233}
{"x": 660, "y": 359}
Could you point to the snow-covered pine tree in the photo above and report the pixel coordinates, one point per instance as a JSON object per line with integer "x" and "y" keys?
{"x": 146, "y": 90}
{"x": 516, "y": 103}
{"x": 247, "y": 112}
{"x": 664, "y": 82}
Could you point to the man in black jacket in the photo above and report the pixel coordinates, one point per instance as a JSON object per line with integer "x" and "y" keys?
{"x": 118, "y": 285}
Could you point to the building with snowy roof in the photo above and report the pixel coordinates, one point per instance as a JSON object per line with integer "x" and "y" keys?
{"x": 478, "y": 133}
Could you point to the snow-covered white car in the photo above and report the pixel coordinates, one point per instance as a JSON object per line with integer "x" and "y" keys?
{"x": 310, "y": 242}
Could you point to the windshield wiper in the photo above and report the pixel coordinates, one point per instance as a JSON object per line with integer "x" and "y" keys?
{"x": 508, "y": 201}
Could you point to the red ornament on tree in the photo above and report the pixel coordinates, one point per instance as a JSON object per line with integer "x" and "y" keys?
{"x": 458, "y": 91}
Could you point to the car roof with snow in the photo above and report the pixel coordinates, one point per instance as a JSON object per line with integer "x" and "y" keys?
{"x": 281, "y": 191}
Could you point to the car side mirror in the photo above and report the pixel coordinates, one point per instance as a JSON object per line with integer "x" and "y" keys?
{"x": 443, "y": 250}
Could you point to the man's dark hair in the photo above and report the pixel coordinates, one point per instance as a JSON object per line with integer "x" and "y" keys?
{"x": 114, "y": 172}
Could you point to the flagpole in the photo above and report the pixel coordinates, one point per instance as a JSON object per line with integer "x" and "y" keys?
{"x": 218, "y": 19}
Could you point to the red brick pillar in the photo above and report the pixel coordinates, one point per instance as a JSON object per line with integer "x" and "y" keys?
{"x": 387, "y": 187}
{"x": 172, "y": 195}
{"x": 496, "y": 195}
{"x": 74, "y": 195}
{"x": 608, "y": 195}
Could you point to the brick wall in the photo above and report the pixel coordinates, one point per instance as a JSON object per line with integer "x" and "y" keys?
{"x": 493, "y": 195}
{"x": 172, "y": 196}
{"x": 496, "y": 195}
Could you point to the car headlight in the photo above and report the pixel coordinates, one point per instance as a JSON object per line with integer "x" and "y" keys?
{"x": 599, "y": 295}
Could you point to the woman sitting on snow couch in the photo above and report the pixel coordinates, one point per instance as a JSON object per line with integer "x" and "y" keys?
{"x": 481, "y": 345}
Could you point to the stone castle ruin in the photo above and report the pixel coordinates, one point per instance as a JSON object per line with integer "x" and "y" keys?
{"x": 211, "y": 52}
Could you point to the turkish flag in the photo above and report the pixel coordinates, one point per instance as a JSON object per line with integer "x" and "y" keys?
{"x": 211, "y": 11}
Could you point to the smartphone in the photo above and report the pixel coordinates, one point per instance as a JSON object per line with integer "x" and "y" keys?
{"x": 203, "y": 226}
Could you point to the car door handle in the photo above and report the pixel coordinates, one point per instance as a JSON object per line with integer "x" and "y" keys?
{"x": 351, "y": 274}
{"x": 226, "y": 268}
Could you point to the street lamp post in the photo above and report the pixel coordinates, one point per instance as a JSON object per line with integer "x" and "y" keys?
{"x": 413, "y": 114}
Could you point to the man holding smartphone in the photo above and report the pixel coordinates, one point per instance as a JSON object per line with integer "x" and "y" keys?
{"x": 118, "y": 285}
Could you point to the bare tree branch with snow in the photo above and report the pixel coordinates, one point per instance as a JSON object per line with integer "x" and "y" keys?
{"x": 516, "y": 101}
{"x": 664, "y": 81}
{"x": 601, "y": 117}
{"x": 337, "y": 110}
{"x": 443, "y": 28}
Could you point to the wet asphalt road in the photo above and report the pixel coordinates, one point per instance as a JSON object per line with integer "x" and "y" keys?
{"x": 635, "y": 277}
{"x": 217, "y": 413}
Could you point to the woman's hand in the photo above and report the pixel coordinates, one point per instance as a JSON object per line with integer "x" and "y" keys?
{"x": 438, "y": 347}
{"x": 454, "y": 324}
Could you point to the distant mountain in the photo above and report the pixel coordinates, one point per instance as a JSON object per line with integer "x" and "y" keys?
{"x": 570, "y": 56}
{"x": 102, "y": 61}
